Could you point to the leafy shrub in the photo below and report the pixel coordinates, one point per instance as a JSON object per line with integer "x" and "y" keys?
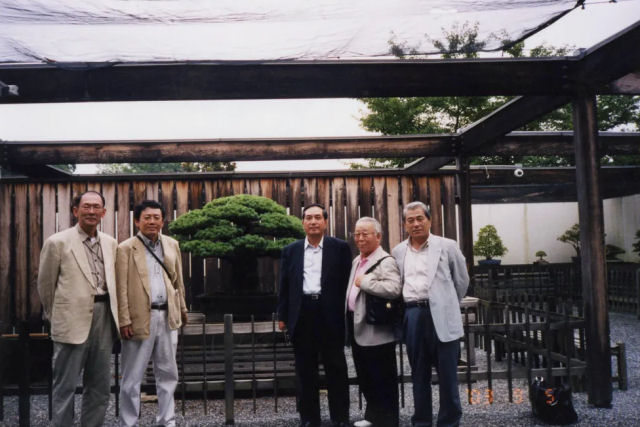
{"x": 489, "y": 244}
{"x": 237, "y": 226}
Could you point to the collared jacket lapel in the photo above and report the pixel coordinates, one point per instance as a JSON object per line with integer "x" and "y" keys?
{"x": 77, "y": 248}
{"x": 139, "y": 253}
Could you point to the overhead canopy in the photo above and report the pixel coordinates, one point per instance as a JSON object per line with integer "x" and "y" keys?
{"x": 195, "y": 30}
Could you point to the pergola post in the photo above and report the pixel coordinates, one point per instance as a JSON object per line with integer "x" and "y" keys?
{"x": 592, "y": 249}
{"x": 465, "y": 231}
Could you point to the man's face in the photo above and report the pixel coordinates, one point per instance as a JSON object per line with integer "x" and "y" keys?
{"x": 89, "y": 211}
{"x": 366, "y": 238}
{"x": 313, "y": 222}
{"x": 417, "y": 224}
{"x": 150, "y": 223}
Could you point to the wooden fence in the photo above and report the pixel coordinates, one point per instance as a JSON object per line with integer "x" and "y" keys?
{"x": 31, "y": 211}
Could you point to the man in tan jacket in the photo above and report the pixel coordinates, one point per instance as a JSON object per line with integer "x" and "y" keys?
{"x": 151, "y": 308}
{"x": 77, "y": 287}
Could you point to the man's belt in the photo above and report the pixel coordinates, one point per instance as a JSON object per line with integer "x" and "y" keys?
{"x": 101, "y": 298}
{"x": 164, "y": 306}
{"x": 418, "y": 303}
{"x": 312, "y": 297}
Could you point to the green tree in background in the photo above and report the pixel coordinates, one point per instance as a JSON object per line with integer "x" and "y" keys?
{"x": 120, "y": 168}
{"x": 402, "y": 116}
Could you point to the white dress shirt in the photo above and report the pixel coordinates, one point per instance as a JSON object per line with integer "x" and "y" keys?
{"x": 415, "y": 273}
{"x": 156, "y": 277}
{"x": 312, "y": 271}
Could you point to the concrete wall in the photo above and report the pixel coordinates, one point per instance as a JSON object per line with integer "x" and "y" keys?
{"x": 528, "y": 228}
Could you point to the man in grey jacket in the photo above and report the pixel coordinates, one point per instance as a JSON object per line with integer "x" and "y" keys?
{"x": 373, "y": 346}
{"x": 435, "y": 279}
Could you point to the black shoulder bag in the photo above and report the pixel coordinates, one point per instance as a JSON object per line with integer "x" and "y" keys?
{"x": 552, "y": 404}
{"x": 379, "y": 310}
{"x": 157, "y": 259}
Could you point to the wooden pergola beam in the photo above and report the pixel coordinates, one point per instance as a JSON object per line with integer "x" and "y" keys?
{"x": 183, "y": 150}
{"x": 611, "y": 59}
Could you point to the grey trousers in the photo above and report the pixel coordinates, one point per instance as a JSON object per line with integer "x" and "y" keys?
{"x": 94, "y": 357}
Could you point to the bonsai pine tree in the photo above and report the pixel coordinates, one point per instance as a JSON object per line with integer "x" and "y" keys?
{"x": 489, "y": 244}
{"x": 240, "y": 226}
{"x": 572, "y": 237}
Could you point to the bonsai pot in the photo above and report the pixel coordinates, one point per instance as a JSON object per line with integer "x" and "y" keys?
{"x": 489, "y": 261}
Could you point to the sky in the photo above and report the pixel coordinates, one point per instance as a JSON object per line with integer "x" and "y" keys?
{"x": 261, "y": 118}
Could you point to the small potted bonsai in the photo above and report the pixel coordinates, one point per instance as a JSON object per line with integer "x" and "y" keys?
{"x": 541, "y": 260}
{"x": 489, "y": 245}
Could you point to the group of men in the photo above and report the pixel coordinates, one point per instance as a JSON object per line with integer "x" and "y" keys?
{"x": 95, "y": 291}
{"x": 322, "y": 299}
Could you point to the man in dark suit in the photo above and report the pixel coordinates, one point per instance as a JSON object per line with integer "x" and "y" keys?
{"x": 314, "y": 273}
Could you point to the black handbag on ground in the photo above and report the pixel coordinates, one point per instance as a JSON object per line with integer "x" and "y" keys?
{"x": 379, "y": 310}
{"x": 552, "y": 404}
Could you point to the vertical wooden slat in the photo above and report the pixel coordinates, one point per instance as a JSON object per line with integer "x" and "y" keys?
{"x": 21, "y": 284}
{"x": 393, "y": 212}
{"x": 449, "y": 207}
{"x": 238, "y": 186}
{"x": 182, "y": 197}
{"x": 380, "y": 208}
{"x": 94, "y": 186}
{"x": 139, "y": 193}
{"x": 364, "y": 189}
{"x": 109, "y": 220}
{"x": 310, "y": 191}
{"x": 48, "y": 210}
{"x": 324, "y": 192}
{"x": 338, "y": 197}
{"x": 224, "y": 188}
{"x": 35, "y": 244}
{"x": 253, "y": 187}
{"x": 209, "y": 188}
{"x": 266, "y": 188}
{"x": 407, "y": 190}
{"x": 124, "y": 211}
{"x": 78, "y": 188}
{"x": 435, "y": 205}
{"x": 166, "y": 187}
{"x": 352, "y": 190}
{"x": 64, "y": 206}
{"x": 423, "y": 190}
{"x": 296, "y": 197}
{"x": 6, "y": 248}
{"x": 152, "y": 191}
{"x": 280, "y": 191}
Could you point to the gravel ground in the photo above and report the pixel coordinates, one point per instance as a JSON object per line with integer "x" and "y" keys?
{"x": 625, "y": 410}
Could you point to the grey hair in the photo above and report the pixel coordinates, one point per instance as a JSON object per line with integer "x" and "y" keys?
{"x": 415, "y": 205}
{"x": 370, "y": 220}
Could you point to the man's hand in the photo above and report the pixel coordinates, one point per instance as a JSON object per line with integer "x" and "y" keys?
{"x": 281, "y": 325}
{"x": 185, "y": 318}
{"x": 357, "y": 281}
{"x": 126, "y": 332}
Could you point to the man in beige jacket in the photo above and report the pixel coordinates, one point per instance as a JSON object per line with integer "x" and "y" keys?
{"x": 76, "y": 284}
{"x": 151, "y": 308}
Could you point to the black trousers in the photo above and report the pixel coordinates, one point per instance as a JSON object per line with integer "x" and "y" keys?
{"x": 377, "y": 372}
{"x": 311, "y": 342}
